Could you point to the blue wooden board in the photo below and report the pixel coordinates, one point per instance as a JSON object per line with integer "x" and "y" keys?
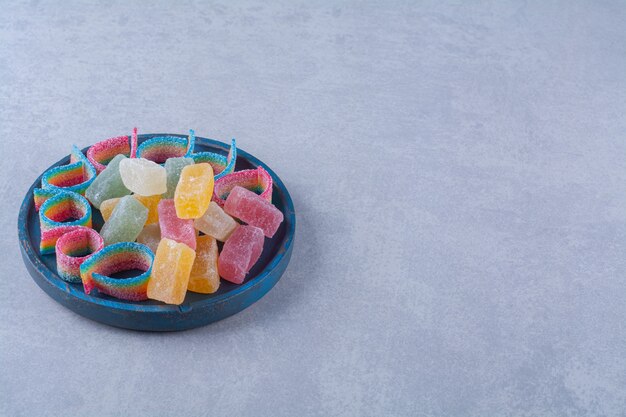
{"x": 197, "y": 309}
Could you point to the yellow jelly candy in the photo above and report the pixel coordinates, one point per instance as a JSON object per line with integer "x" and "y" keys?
{"x": 194, "y": 191}
{"x": 107, "y": 206}
{"x": 170, "y": 272}
{"x": 151, "y": 204}
{"x": 204, "y": 277}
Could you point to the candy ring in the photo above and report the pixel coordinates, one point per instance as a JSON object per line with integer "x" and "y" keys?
{"x": 49, "y": 238}
{"x": 160, "y": 148}
{"x": 222, "y": 165}
{"x": 74, "y": 248}
{"x": 64, "y": 209}
{"x": 75, "y": 176}
{"x": 101, "y": 153}
{"x": 124, "y": 256}
{"x": 257, "y": 180}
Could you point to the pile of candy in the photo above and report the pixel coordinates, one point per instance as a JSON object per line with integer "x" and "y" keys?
{"x": 165, "y": 208}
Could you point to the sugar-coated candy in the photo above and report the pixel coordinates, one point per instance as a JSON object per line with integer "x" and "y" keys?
{"x": 74, "y": 248}
{"x": 222, "y": 165}
{"x": 251, "y": 208}
{"x": 158, "y": 149}
{"x": 257, "y": 180}
{"x": 133, "y": 144}
{"x": 101, "y": 153}
{"x": 96, "y": 271}
{"x": 126, "y": 222}
{"x": 150, "y": 236}
{"x": 173, "y": 168}
{"x": 194, "y": 190}
{"x": 49, "y": 238}
{"x": 240, "y": 253}
{"x": 151, "y": 203}
{"x": 215, "y": 222}
{"x": 204, "y": 277}
{"x": 173, "y": 227}
{"x": 143, "y": 177}
{"x": 108, "y": 184}
{"x": 107, "y": 206}
{"x": 40, "y": 195}
{"x": 64, "y": 209}
{"x": 77, "y": 176}
{"x": 170, "y": 272}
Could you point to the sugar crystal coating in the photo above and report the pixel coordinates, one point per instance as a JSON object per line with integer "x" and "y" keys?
{"x": 204, "y": 277}
{"x": 74, "y": 248}
{"x": 151, "y": 203}
{"x": 64, "y": 209}
{"x": 173, "y": 168}
{"x": 124, "y": 256}
{"x": 107, "y": 206}
{"x": 240, "y": 252}
{"x": 77, "y": 176}
{"x": 126, "y": 222}
{"x": 214, "y": 222}
{"x": 254, "y": 210}
{"x": 258, "y": 180}
{"x": 108, "y": 184}
{"x": 194, "y": 191}
{"x": 150, "y": 236}
{"x": 143, "y": 177}
{"x": 170, "y": 272}
{"x": 173, "y": 227}
{"x": 100, "y": 154}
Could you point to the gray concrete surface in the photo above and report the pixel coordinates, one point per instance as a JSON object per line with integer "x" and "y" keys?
{"x": 459, "y": 174}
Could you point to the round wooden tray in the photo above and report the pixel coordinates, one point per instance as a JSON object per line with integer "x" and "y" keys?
{"x": 197, "y": 309}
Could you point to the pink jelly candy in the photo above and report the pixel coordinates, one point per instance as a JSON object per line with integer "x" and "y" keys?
{"x": 251, "y": 208}
{"x": 180, "y": 230}
{"x": 240, "y": 253}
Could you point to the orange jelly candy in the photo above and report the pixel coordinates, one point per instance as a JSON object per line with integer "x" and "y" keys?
{"x": 204, "y": 277}
{"x": 170, "y": 272}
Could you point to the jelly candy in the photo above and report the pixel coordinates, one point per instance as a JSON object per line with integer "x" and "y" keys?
{"x": 126, "y": 222}
{"x": 194, "y": 190}
{"x": 214, "y": 222}
{"x": 143, "y": 177}
{"x": 150, "y": 236}
{"x": 107, "y": 206}
{"x": 254, "y": 210}
{"x": 172, "y": 227}
{"x": 240, "y": 253}
{"x": 170, "y": 272}
{"x": 108, "y": 184}
{"x": 151, "y": 203}
{"x": 204, "y": 277}
{"x": 173, "y": 167}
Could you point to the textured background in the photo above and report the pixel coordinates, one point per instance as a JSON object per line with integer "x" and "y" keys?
{"x": 458, "y": 170}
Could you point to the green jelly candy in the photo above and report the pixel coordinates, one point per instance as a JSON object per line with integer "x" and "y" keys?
{"x": 173, "y": 168}
{"x": 126, "y": 221}
{"x": 108, "y": 184}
